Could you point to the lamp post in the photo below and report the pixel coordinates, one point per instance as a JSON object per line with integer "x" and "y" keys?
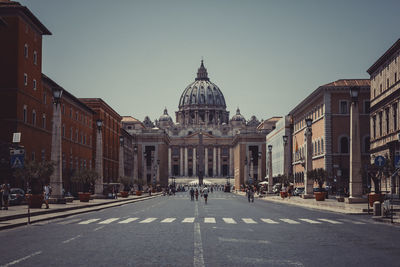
{"x": 135, "y": 161}
{"x": 56, "y": 177}
{"x": 355, "y": 183}
{"x": 121, "y": 157}
{"x": 259, "y": 177}
{"x": 270, "y": 180}
{"x": 98, "y": 188}
{"x": 308, "y": 183}
{"x": 158, "y": 171}
{"x": 251, "y": 180}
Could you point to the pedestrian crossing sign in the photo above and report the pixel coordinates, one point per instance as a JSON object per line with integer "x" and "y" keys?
{"x": 17, "y": 157}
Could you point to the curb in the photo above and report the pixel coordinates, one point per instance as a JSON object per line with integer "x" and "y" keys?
{"x": 95, "y": 207}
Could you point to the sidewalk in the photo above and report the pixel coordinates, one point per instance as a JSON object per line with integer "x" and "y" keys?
{"x": 18, "y": 215}
{"x": 328, "y": 205}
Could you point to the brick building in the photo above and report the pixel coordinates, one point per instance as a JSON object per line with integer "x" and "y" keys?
{"x": 329, "y": 108}
{"x": 385, "y": 97}
{"x": 110, "y": 133}
{"x": 25, "y": 106}
{"x": 76, "y": 131}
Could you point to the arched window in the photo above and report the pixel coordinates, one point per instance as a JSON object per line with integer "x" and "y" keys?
{"x": 344, "y": 145}
{"x": 319, "y": 146}
{"x": 322, "y": 145}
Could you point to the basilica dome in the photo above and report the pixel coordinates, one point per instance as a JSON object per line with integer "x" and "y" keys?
{"x": 165, "y": 116}
{"x": 202, "y": 92}
{"x": 238, "y": 116}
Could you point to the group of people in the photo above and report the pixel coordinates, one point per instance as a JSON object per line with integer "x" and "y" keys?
{"x": 195, "y": 193}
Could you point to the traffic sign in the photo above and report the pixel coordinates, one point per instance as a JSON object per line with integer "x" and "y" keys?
{"x": 17, "y": 157}
{"x": 380, "y": 161}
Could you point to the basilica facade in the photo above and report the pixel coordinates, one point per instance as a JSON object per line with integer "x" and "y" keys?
{"x": 203, "y": 141}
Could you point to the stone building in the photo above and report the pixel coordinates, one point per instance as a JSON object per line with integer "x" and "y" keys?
{"x": 385, "y": 97}
{"x": 203, "y": 141}
{"x": 329, "y": 108}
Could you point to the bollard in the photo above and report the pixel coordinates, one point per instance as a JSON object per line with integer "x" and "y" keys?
{"x": 377, "y": 208}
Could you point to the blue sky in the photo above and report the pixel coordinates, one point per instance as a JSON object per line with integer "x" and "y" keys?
{"x": 265, "y": 56}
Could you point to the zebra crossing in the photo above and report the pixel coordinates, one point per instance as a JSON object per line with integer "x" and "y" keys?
{"x": 213, "y": 220}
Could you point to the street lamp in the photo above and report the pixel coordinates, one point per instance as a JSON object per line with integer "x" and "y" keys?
{"x": 99, "y": 124}
{"x": 121, "y": 140}
{"x": 308, "y": 122}
{"x": 354, "y": 91}
{"x": 57, "y": 93}
{"x": 285, "y": 139}
{"x": 121, "y": 157}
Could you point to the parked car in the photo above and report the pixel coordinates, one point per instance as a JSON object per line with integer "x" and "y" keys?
{"x": 298, "y": 191}
{"x": 277, "y": 188}
{"x": 17, "y": 196}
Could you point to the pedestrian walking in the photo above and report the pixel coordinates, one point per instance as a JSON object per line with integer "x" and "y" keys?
{"x": 191, "y": 194}
{"x": 197, "y": 194}
{"x": 250, "y": 194}
{"x": 6, "y": 194}
{"x": 46, "y": 194}
{"x": 205, "y": 194}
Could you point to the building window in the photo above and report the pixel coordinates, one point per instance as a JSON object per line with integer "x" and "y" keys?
{"x": 387, "y": 120}
{"x": 374, "y": 126}
{"x": 44, "y": 121}
{"x": 43, "y": 154}
{"x": 35, "y": 57}
{"x": 344, "y": 145}
{"x": 24, "y": 113}
{"x": 322, "y": 145}
{"x": 25, "y": 79}
{"x": 366, "y": 106}
{"x": 343, "y": 107}
{"x": 26, "y": 51}
{"x": 71, "y": 133}
{"x": 319, "y": 147}
{"x": 395, "y": 77}
{"x": 44, "y": 98}
{"x": 380, "y": 86}
{"x": 76, "y": 115}
{"x": 70, "y": 112}
{"x": 63, "y": 130}
{"x": 395, "y": 116}
{"x": 387, "y": 83}
{"x": 33, "y": 117}
{"x": 33, "y": 156}
{"x": 34, "y": 84}
{"x": 380, "y": 123}
{"x": 63, "y": 109}
{"x": 76, "y": 135}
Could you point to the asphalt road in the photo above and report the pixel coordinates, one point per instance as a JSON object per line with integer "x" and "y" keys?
{"x": 228, "y": 231}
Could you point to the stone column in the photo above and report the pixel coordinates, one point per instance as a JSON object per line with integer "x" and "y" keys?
{"x": 270, "y": 173}
{"x": 56, "y": 155}
{"x": 194, "y": 162}
{"x": 215, "y": 162}
{"x": 181, "y": 162}
{"x": 219, "y": 162}
{"x": 206, "y": 161}
{"x": 308, "y": 182}
{"x": 259, "y": 176}
{"x": 186, "y": 161}
{"x": 121, "y": 167}
{"x": 169, "y": 162}
{"x": 207, "y": 116}
{"x": 144, "y": 167}
{"x": 355, "y": 185}
{"x": 98, "y": 188}
{"x": 230, "y": 161}
{"x": 135, "y": 162}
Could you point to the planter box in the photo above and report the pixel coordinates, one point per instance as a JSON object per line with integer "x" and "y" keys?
{"x": 340, "y": 199}
{"x": 35, "y": 201}
{"x": 319, "y": 196}
{"x": 138, "y": 193}
{"x": 69, "y": 199}
{"x": 283, "y": 194}
{"x": 372, "y": 197}
{"x": 124, "y": 193}
{"x": 84, "y": 197}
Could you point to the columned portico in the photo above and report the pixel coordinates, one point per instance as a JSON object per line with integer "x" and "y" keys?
{"x": 169, "y": 162}
{"x": 181, "y": 161}
{"x": 186, "y": 161}
{"x": 214, "y": 161}
{"x": 230, "y": 161}
{"x": 219, "y": 162}
{"x": 194, "y": 162}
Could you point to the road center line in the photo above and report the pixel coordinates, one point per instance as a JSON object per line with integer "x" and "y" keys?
{"x": 22, "y": 259}
{"x": 98, "y": 228}
{"x": 69, "y": 240}
{"x": 198, "y": 259}
{"x": 238, "y": 240}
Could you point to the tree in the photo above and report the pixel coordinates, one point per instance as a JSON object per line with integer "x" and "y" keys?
{"x": 87, "y": 178}
{"x": 126, "y": 182}
{"x": 35, "y": 174}
{"x": 283, "y": 179}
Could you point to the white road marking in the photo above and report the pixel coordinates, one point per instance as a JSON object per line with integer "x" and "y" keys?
{"x": 229, "y": 220}
{"x": 129, "y": 220}
{"x": 69, "y": 221}
{"x": 22, "y": 259}
{"x": 330, "y": 221}
{"x": 269, "y": 221}
{"x": 109, "y": 221}
{"x": 168, "y": 220}
{"x": 290, "y": 221}
{"x": 89, "y": 221}
{"x": 310, "y": 221}
{"x": 69, "y": 240}
{"x": 148, "y": 220}
{"x": 98, "y": 228}
{"x": 198, "y": 259}
{"x": 353, "y": 222}
{"x": 188, "y": 220}
{"x": 209, "y": 220}
{"x": 238, "y": 240}
{"x": 249, "y": 220}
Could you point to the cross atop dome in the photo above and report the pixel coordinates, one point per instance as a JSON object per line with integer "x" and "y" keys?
{"x": 202, "y": 73}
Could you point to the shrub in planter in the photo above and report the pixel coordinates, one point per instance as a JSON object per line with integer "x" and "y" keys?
{"x": 87, "y": 179}
{"x": 127, "y": 183}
